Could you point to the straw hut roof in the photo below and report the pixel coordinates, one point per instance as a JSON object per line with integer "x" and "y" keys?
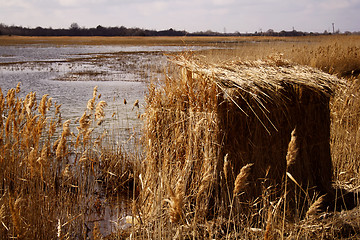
{"x": 254, "y": 77}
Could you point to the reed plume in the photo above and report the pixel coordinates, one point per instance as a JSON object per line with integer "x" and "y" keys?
{"x": 99, "y": 112}
{"x": 91, "y": 102}
{"x": 176, "y": 201}
{"x": 43, "y": 106}
{"x": 242, "y": 178}
{"x": 293, "y": 149}
{"x": 315, "y": 207}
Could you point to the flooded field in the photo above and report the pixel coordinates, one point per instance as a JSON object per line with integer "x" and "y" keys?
{"x": 69, "y": 74}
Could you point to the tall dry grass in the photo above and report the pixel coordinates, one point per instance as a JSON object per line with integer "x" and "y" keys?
{"x": 52, "y": 170}
{"x": 171, "y": 213}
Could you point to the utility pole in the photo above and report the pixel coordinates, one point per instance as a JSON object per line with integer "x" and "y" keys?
{"x": 333, "y": 24}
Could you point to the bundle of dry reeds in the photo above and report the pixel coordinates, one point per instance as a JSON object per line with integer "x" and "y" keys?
{"x": 243, "y": 112}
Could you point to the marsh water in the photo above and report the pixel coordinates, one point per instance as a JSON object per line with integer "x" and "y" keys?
{"x": 69, "y": 74}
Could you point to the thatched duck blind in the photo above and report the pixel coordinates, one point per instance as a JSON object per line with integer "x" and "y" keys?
{"x": 205, "y": 124}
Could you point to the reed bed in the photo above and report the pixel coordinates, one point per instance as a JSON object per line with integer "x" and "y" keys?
{"x": 51, "y": 177}
{"x": 209, "y": 174}
{"x": 230, "y": 151}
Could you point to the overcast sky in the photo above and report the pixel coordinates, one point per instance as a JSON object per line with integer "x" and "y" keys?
{"x": 189, "y": 15}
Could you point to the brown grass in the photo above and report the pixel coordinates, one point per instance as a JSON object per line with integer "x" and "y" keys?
{"x": 182, "y": 135}
{"x": 186, "y": 40}
{"x": 48, "y": 180}
{"x": 184, "y": 186}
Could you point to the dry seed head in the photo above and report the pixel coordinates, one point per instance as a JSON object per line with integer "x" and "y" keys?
{"x": 315, "y": 207}
{"x": 180, "y": 190}
{"x": 61, "y": 147}
{"x": 99, "y": 112}
{"x": 10, "y": 98}
{"x": 49, "y": 103}
{"x": 95, "y": 91}
{"x": 91, "y": 104}
{"x": 66, "y": 172}
{"x": 241, "y": 179}
{"x": 57, "y": 108}
{"x": 175, "y": 207}
{"x": 226, "y": 166}
{"x": 87, "y": 134}
{"x": 66, "y": 128}
{"x": 29, "y": 102}
{"x": 43, "y": 105}
{"x": 17, "y": 90}
{"x": 83, "y": 157}
{"x": 52, "y": 128}
{"x": 84, "y": 121}
{"x": 293, "y": 149}
{"x": 136, "y": 103}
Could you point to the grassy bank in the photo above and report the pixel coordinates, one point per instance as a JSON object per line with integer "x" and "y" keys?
{"x": 181, "y": 41}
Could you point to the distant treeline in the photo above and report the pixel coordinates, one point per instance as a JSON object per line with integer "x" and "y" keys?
{"x": 75, "y": 30}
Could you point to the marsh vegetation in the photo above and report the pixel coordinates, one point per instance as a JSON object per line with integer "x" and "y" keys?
{"x": 66, "y": 173}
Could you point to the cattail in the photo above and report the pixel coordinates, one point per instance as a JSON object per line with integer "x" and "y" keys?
{"x": 315, "y": 207}
{"x": 293, "y": 149}
{"x": 241, "y": 179}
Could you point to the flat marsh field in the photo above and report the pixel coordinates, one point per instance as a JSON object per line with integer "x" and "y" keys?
{"x": 77, "y": 123}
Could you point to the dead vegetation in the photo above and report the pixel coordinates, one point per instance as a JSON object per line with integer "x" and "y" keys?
{"x": 247, "y": 149}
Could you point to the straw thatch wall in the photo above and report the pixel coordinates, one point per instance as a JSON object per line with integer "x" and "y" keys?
{"x": 270, "y": 113}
